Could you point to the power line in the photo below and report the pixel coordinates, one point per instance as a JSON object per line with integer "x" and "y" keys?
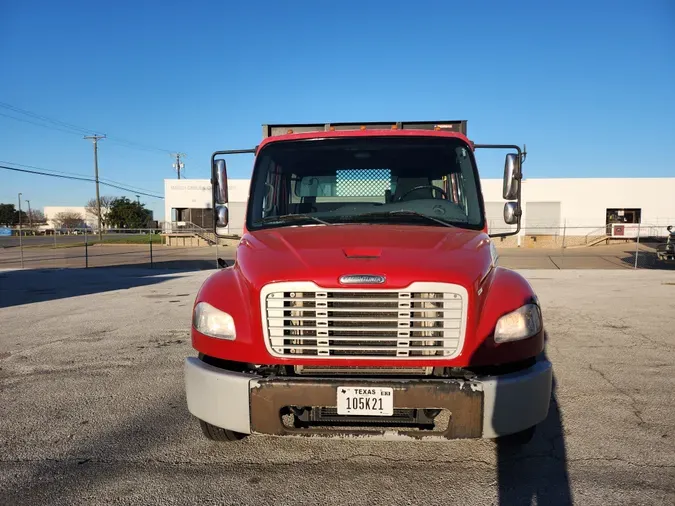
{"x": 135, "y": 188}
{"x": 44, "y": 118}
{"x": 51, "y": 127}
{"x": 62, "y": 126}
{"x": 47, "y": 170}
{"x": 77, "y": 178}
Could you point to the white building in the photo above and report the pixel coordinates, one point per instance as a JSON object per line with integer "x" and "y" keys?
{"x": 188, "y": 201}
{"x": 52, "y": 214}
{"x": 582, "y": 206}
{"x": 574, "y": 206}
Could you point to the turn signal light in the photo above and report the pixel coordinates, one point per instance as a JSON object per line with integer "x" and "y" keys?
{"x": 289, "y": 131}
{"x": 332, "y": 128}
{"x": 394, "y": 127}
{"x": 363, "y": 127}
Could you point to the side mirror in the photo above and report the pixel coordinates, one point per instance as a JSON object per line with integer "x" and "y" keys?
{"x": 511, "y": 213}
{"x": 220, "y": 176}
{"x": 222, "y": 216}
{"x": 511, "y": 177}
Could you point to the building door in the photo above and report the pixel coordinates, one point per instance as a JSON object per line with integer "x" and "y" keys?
{"x": 542, "y": 218}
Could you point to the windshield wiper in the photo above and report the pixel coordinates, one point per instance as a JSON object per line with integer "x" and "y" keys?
{"x": 287, "y": 218}
{"x": 403, "y": 212}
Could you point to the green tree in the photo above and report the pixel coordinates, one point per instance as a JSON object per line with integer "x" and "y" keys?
{"x": 24, "y": 218}
{"x": 7, "y": 214}
{"x": 125, "y": 213}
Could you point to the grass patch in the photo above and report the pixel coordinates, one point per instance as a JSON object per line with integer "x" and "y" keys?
{"x": 157, "y": 240}
{"x": 132, "y": 239}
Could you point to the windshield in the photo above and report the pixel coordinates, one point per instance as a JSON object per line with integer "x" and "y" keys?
{"x": 404, "y": 180}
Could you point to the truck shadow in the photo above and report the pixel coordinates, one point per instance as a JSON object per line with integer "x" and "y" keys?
{"x": 39, "y": 285}
{"x": 536, "y": 473}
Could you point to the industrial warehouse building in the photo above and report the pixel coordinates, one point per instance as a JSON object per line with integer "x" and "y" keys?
{"x": 187, "y": 202}
{"x": 576, "y": 209}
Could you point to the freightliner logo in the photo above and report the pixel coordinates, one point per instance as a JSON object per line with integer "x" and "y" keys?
{"x": 362, "y": 279}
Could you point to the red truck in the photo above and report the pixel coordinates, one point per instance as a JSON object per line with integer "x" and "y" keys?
{"x": 365, "y": 299}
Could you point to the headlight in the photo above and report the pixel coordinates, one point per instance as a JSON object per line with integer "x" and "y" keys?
{"x": 213, "y": 322}
{"x": 522, "y": 323}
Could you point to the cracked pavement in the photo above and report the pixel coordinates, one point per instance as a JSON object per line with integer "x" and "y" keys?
{"x": 92, "y": 409}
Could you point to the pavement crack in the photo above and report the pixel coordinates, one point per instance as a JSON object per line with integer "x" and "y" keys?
{"x": 636, "y": 411}
{"x": 624, "y": 461}
{"x": 419, "y": 461}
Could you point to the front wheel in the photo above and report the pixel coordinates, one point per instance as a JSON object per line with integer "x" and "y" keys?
{"x": 218, "y": 434}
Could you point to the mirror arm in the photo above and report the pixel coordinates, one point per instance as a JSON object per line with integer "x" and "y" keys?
{"x": 522, "y": 154}
{"x": 213, "y": 176}
{"x": 512, "y": 232}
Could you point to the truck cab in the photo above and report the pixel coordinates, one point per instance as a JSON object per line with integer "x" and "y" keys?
{"x": 366, "y": 297}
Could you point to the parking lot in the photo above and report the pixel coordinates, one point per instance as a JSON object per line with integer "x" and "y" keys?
{"x": 93, "y": 409}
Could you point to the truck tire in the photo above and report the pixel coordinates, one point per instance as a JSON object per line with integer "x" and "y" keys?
{"x": 217, "y": 434}
{"x": 519, "y": 438}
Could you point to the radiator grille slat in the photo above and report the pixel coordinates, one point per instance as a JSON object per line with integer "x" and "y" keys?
{"x": 368, "y": 323}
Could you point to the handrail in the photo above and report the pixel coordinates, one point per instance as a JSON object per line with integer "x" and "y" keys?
{"x": 595, "y": 232}
{"x": 195, "y": 229}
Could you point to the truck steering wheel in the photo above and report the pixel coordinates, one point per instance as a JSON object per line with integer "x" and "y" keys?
{"x": 436, "y": 188}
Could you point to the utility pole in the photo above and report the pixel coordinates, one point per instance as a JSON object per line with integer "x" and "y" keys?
{"x": 30, "y": 218}
{"x": 178, "y": 165}
{"x": 20, "y": 242}
{"x": 138, "y": 199}
{"x": 95, "y": 139}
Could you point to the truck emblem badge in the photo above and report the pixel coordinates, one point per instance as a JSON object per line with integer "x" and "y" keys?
{"x": 362, "y": 279}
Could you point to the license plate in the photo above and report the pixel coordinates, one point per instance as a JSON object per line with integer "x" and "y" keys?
{"x": 365, "y": 401}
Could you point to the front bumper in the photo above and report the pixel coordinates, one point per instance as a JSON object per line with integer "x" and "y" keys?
{"x": 484, "y": 407}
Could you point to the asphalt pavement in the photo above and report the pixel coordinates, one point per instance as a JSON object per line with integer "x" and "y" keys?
{"x": 92, "y": 408}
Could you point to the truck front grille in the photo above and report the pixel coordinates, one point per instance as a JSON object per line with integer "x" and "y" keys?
{"x": 426, "y": 320}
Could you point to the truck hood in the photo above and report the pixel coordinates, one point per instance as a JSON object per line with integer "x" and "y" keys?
{"x": 401, "y": 253}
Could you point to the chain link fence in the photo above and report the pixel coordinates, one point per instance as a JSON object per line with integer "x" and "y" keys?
{"x": 184, "y": 245}
{"x": 80, "y": 248}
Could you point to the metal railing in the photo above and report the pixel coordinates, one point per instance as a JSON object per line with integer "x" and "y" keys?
{"x": 187, "y": 227}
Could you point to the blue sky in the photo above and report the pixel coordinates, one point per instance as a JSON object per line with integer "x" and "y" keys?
{"x": 588, "y": 86}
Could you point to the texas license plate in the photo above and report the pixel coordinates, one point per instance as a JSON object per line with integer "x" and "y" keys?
{"x": 365, "y": 401}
